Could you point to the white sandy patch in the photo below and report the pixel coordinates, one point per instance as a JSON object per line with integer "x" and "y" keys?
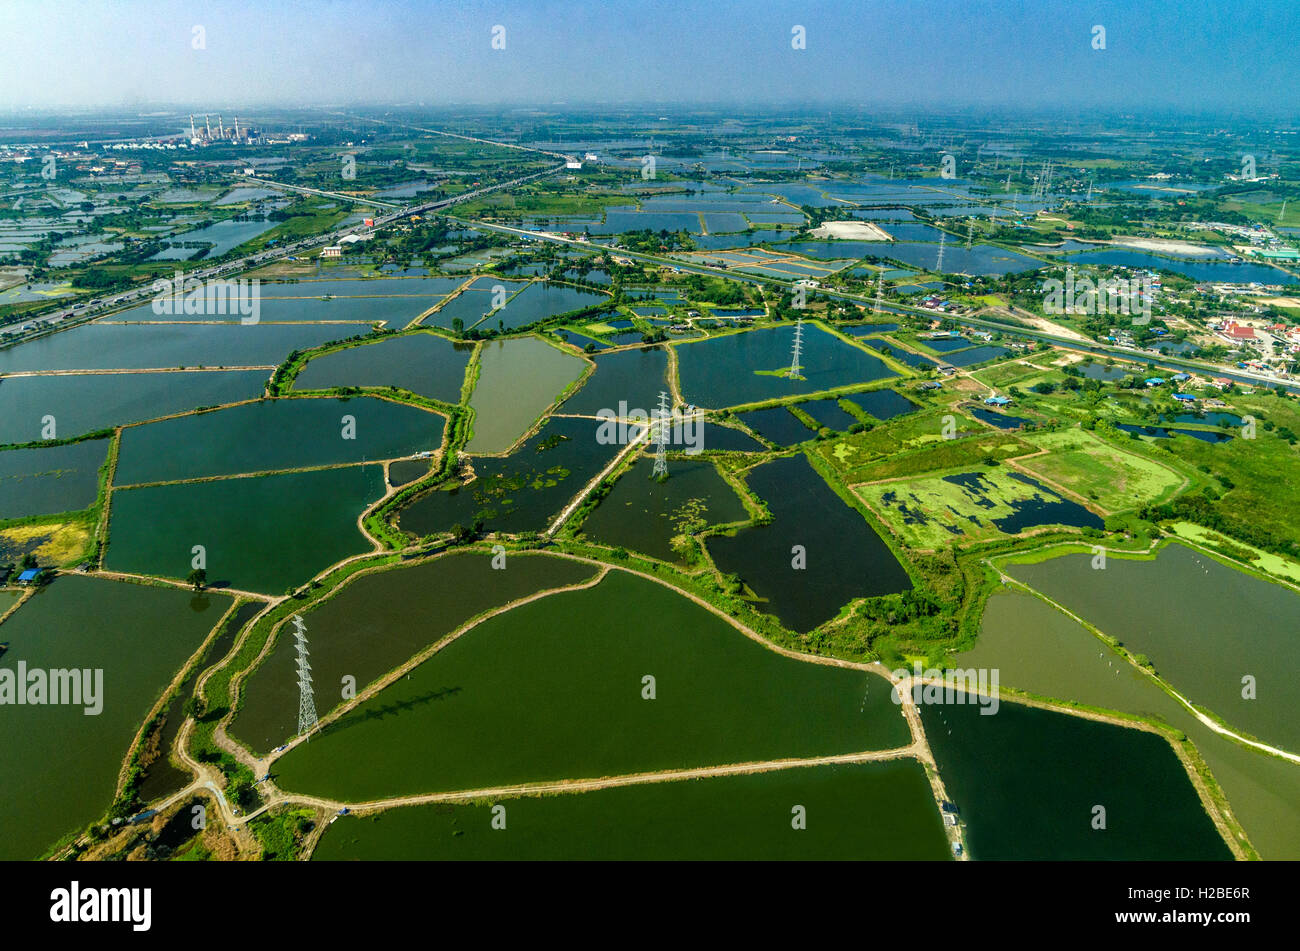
{"x": 1163, "y": 244}
{"x": 852, "y": 230}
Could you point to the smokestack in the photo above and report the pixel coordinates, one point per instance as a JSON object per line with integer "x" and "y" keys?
{"x": 207, "y": 126}
{"x": 193, "y": 133}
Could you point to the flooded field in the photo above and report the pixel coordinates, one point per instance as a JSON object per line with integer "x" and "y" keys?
{"x": 49, "y": 480}
{"x": 538, "y": 301}
{"x": 518, "y": 379}
{"x": 60, "y": 764}
{"x": 731, "y": 818}
{"x": 930, "y": 511}
{"x": 424, "y": 363}
{"x": 378, "y": 621}
{"x": 846, "y": 559}
{"x": 741, "y": 368}
{"x": 643, "y": 514}
{"x": 275, "y": 434}
{"x": 478, "y": 713}
{"x": 86, "y": 403}
{"x": 520, "y": 492}
{"x": 1041, "y": 650}
{"x": 1200, "y": 623}
{"x": 1023, "y": 799}
{"x": 261, "y": 534}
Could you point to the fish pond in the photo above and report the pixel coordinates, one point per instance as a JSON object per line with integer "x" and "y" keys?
{"x": 423, "y": 363}
{"x": 845, "y": 558}
{"x": 50, "y": 479}
{"x": 748, "y": 367}
{"x": 482, "y": 711}
{"x": 518, "y": 379}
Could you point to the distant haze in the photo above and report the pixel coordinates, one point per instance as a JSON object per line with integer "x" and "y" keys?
{"x": 1185, "y": 55}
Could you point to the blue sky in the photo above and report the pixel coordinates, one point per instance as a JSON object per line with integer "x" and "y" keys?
{"x": 1186, "y": 55}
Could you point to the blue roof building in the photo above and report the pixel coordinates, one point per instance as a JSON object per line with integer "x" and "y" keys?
{"x": 28, "y": 576}
{"x": 998, "y": 401}
{"x": 1185, "y": 397}
{"x": 1155, "y": 381}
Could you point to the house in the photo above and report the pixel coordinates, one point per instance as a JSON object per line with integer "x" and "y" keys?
{"x": 1185, "y": 397}
{"x": 30, "y": 576}
{"x": 332, "y": 251}
{"x": 930, "y": 385}
{"x": 1180, "y": 377}
{"x": 998, "y": 401}
{"x": 1155, "y": 381}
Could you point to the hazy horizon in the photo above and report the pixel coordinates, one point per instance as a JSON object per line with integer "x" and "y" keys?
{"x": 1160, "y": 56}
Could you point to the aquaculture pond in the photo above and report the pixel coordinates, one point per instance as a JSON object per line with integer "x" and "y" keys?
{"x": 863, "y": 330}
{"x": 1169, "y": 432}
{"x": 710, "y": 437}
{"x": 61, "y": 765}
{"x": 50, "y": 479}
{"x": 518, "y": 379}
{"x": 261, "y": 534}
{"x": 1204, "y": 626}
{"x": 424, "y": 363}
{"x": 966, "y": 358}
{"x": 1000, "y": 420}
{"x": 380, "y": 619}
{"x": 829, "y": 414}
{"x": 748, "y": 367}
{"x": 86, "y": 403}
{"x": 104, "y": 346}
{"x": 520, "y": 492}
{"x": 979, "y": 261}
{"x": 275, "y": 434}
{"x": 1231, "y": 272}
{"x": 538, "y": 301}
{"x": 778, "y": 425}
{"x": 1042, "y": 650}
{"x": 631, "y": 378}
{"x": 882, "y": 404}
{"x": 727, "y": 818}
{"x": 845, "y": 558}
{"x": 578, "y": 340}
{"x": 482, "y": 712}
{"x": 161, "y": 778}
{"x": 1022, "y": 798}
{"x": 644, "y": 514}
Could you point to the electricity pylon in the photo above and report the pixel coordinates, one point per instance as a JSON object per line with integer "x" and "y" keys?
{"x": 306, "y": 699}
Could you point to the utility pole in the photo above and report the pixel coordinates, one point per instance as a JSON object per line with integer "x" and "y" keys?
{"x": 306, "y": 698}
{"x": 798, "y": 349}
{"x": 661, "y": 444}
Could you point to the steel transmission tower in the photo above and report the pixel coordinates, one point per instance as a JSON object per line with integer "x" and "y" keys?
{"x": 661, "y": 444}
{"x": 938, "y": 265}
{"x": 880, "y": 289}
{"x": 306, "y": 699}
{"x": 798, "y": 349}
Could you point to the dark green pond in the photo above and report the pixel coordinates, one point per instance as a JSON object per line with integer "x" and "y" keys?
{"x": 1026, "y": 781}
{"x": 520, "y": 492}
{"x": 1205, "y": 626}
{"x": 723, "y": 371}
{"x": 725, "y": 818}
{"x": 60, "y": 765}
{"x": 846, "y": 559}
{"x": 101, "y": 346}
{"x": 631, "y": 377}
{"x": 49, "y": 480}
{"x": 261, "y": 534}
{"x": 424, "y": 363}
{"x": 553, "y": 690}
{"x": 1039, "y": 649}
{"x": 275, "y": 434}
{"x": 378, "y": 621}
{"x": 643, "y": 514}
{"x": 87, "y": 403}
{"x": 777, "y": 425}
